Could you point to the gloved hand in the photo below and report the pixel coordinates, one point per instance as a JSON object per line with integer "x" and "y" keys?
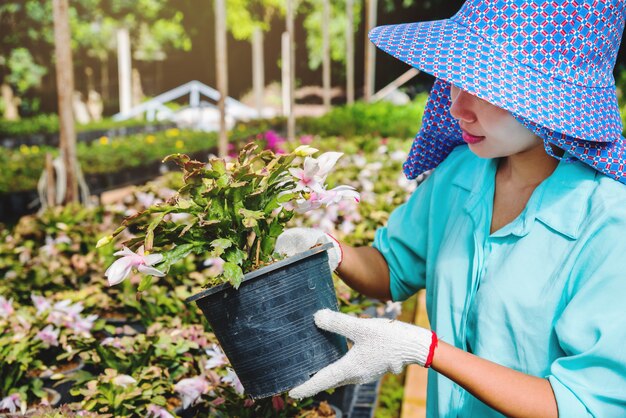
{"x": 297, "y": 240}
{"x": 380, "y": 346}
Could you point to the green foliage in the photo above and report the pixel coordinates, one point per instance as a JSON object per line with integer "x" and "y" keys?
{"x": 24, "y": 73}
{"x": 390, "y": 396}
{"x": 381, "y": 118}
{"x": 234, "y": 211}
{"x": 336, "y": 27}
{"x": 243, "y": 16}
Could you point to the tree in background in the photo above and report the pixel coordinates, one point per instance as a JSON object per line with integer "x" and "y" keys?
{"x": 26, "y": 39}
{"x": 247, "y": 20}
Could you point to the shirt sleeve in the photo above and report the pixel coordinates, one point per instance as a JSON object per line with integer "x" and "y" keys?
{"x": 590, "y": 380}
{"x": 402, "y": 242}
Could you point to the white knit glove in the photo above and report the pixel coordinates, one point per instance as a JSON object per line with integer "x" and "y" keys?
{"x": 380, "y": 346}
{"x": 297, "y": 240}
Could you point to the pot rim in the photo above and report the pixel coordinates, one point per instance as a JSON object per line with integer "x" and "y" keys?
{"x": 263, "y": 270}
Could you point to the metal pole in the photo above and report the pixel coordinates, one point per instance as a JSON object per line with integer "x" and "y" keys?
{"x": 65, "y": 91}
{"x": 222, "y": 72}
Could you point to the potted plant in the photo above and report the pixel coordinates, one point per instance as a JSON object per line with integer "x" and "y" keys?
{"x": 229, "y": 213}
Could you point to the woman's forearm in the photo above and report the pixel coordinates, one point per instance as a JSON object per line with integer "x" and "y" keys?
{"x": 508, "y": 391}
{"x": 365, "y": 270}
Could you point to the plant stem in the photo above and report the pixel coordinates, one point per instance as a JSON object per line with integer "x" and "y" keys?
{"x": 258, "y": 250}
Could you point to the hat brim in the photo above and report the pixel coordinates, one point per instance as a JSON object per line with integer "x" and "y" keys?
{"x": 452, "y": 52}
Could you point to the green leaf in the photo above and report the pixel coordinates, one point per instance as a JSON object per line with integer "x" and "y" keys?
{"x": 235, "y": 255}
{"x": 145, "y": 283}
{"x": 219, "y": 245}
{"x": 149, "y": 240}
{"x": 251, "y": 217}
{"x": 223, "y": 181}
{"x": 218, "y": 165}
{"x": 179, "y": 252}
{"x": 233, "y": 273}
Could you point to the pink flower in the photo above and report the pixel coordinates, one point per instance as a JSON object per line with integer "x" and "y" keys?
{"x": 232, "y": 379}
{"x": 11, "y": 402}
{"x": 315, "y": 170}
{"x": 339, "y": 193}
{"x": 83, "y": 325}
{"x": 120, "y": 269}
{"x": 6, "y": 307}
{"x": 41, "y": 303}
{"x": 191, "y": 389}
{"x": 278, "y": 403}
{"x": 158, "y": 412}
{"x": 218, "y": 401}
{"x": 64, "y": 312}
{"x": 49, "y": 335}
{"x": 215, "y": 266}
{"x": 306, "y": 139}
{"x": 217, "y": 357}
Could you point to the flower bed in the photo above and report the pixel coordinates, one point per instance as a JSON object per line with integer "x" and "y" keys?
{"x": 155, "y": 356}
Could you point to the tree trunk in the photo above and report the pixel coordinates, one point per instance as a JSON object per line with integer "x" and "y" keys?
{"x": 370, "y": 50}
{"x": 11, "y": 111}
{"x": 104, "y": 78}
{"x": 65, "y": 91}
{"x": 258, "y": 69}
{"x": 222, "y": 72}
{"x": 124, "y": 66}
{"x": 291, "y": 121}
{"x": 137, "y": 96}
{"x": 326, "y": 55}
{"x": 350, "y": 52}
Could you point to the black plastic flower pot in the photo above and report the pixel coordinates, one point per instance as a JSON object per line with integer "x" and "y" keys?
{"x": 266, "y": 327}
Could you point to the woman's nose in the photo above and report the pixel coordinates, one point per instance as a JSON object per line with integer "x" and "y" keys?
{"x": 461, "y": 105}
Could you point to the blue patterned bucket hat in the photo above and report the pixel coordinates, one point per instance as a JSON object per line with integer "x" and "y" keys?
{"x": 547, "y": 62}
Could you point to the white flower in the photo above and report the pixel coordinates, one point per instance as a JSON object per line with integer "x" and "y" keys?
{"x": 232, "y": 379}
{"x": 82, "y": 324}
{"x": 217, "y": 357}
{"x": 158, "y": 412}
{"x": 11, "y": 402}
{"x": 215, "y": 266}
{"x": 393, "y": 307}
{"x": 123, "y": 380}
{"x": 6, "y": 307}
{"x": 191, "y": 389}
{"x": 41, "y": 303}
{"x": 49, "y": 335}
{"x": 120, "y": 269}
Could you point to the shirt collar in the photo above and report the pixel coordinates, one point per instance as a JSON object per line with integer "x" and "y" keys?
{"x": 559, "y": 202}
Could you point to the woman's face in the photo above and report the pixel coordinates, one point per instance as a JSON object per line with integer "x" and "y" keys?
{"x": 490, "y": 131}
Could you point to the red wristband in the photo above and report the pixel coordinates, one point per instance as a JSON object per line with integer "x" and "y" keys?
{"x": 340, "y": 249}
{"x": 431, "y": 352}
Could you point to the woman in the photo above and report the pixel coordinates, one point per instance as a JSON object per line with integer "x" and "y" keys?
{"x": 516, "y": 235}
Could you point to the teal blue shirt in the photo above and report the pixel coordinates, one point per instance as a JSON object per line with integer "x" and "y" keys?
{"x": 545, "y": 294}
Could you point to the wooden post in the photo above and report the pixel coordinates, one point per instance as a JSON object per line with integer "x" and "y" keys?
{"x": 222, "y": 72}
{"x": 326, "y": 54}
{"x": 50, "y": 182}
{"x": 124, "y": 70}
{"x": 350, "y": 51}
{"x": 291, "y": 119}
{"x": 370, "y": 50}
{"x": 65, "y": 91}
{"x": 285, "y": 77}
{"x": 258, "y": 70}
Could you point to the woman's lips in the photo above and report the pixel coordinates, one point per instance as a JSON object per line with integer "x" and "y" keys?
{"x": 471, "y": 139}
